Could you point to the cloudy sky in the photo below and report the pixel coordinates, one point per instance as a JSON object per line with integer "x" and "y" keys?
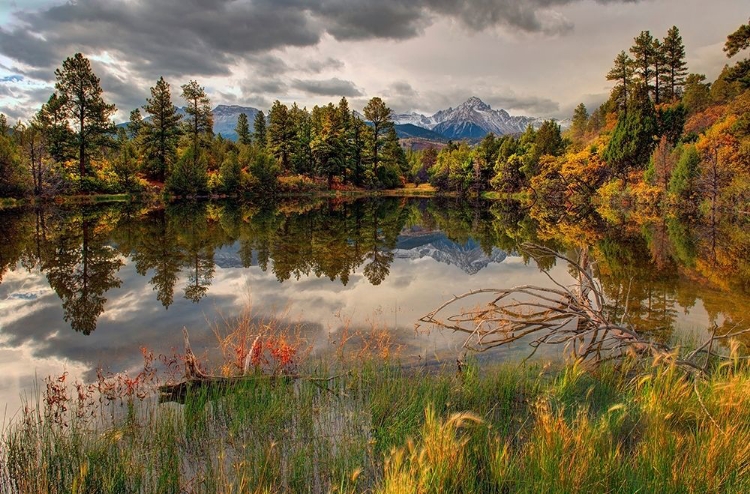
{"x": 531, "y": 57}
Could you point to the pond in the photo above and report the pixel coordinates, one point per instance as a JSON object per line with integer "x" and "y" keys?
{"x": 87, "y": 287}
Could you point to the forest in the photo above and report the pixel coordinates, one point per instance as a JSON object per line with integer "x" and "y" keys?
{"x": 665, "y": 137}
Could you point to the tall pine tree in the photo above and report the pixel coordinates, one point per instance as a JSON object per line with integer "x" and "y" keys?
{"x": 675, "y": 68}
{"x": 644, "y": 54}
{"x": 162, "y": 131}
{"x": 622, "y": 74}
{"x": 379, "y": 115}
{"x": 79, "y": 87}
{"x": 260, "y": 133}
{"x": 243, "y": 130}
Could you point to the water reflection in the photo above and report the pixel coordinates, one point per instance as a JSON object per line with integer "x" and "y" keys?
{"x": 652, "y": 271}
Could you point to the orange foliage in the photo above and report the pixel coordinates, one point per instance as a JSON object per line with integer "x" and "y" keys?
{"x": 702, "y": 120}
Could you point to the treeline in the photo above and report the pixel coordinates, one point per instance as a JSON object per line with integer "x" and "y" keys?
{"x": 72, "y": 146}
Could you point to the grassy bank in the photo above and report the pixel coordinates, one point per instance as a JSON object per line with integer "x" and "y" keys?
{"x": 380, "y": 428}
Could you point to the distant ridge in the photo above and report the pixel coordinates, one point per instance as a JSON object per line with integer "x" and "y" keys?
{"x": 471, "y": 120}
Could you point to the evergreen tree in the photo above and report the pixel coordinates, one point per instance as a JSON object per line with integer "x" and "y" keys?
{"x": 736, "y": 42}
{"x": 53, "y": 120}
{"x": 126, "y": 162}
{"x": 327, "y": 144}
{"x": 162, "y": 131}
{"x": 660, "y": 62}
{"x": 359, "y": 136}
{"x": 675, "y": 68}
{"x": 379, "y": 115}
{"x": 697, "y": 93}
{"x": 580, "y": 120}
{"x": 30, "y": 138}
{"x": 13, "y": 180}
{"x": 230, "y": 173}
{"x": 243, "y": 130}
{"x": 79, "y": 87}
{"x": 135, "y": 125}
{"x": 189, "y": 177}
{"x": 683, "y": 182}
{"x": 199, "y": 122}
{"x": 259, "y": 130}
{"x": 280, "y": 133}
{"x": 302, "y": 158}
{"x": 622, "y": 74}
{"x": 347, "y": 127}
{"x": 644, "y": 54}
{"x": 633, "y": 137}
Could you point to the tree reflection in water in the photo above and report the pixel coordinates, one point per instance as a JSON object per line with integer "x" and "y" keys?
{"x": 650, "y": 269}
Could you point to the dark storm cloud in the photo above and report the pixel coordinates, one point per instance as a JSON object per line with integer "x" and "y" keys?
{"x": 169, "y": 37}
{"x": 327, "y": 87}
{"x": 199, "y": 37}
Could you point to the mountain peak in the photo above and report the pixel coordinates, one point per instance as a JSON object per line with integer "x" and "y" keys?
{"x": 476, "y": 104}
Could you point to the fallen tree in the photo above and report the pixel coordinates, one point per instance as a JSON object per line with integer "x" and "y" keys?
{"x": 571, "y": 315}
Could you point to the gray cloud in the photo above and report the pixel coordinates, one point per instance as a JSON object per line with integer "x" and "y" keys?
{"x": 196, "y": 37}
{"x": 126, "y": 93}
{"x": 318, "y": 66}
{"x": 327, "y": 87}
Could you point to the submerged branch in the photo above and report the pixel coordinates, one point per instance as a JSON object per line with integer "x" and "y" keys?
{"x": 573, "y": 316}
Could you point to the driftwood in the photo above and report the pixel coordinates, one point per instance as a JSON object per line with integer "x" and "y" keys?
{"x": 573, "y": 316}
{"x": 195, "y": 378}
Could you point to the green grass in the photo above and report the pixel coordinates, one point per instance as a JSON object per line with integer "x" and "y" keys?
{"x": 378, "y": 427}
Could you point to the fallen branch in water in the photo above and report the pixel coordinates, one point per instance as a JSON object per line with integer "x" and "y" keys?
{"x": 573, "y": 316}
{"x": 195, "y": 377}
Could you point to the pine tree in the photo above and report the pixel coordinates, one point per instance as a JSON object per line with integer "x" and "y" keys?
{"x": 279, "y": 134}
{"x": 302, "y": 159}
{"x": 199, "y": 123}
{"x": 84, "y": 105}
{"x": 644, "y": 54}
{"x": 697, "y": 93}
{"x": 259, "y": 130}
{"x": 660, "y": 62}
{"x": 161, "y": 131}
{"x": 622, "y": 73}
{"x": 135, "y": 125}
{"x": 53, "y": 119}
{"x": 633, "y": 137}
{"x": 243, "y": 130}
{"x": 580, "y": 120}
{"x": 675, "y": 68}
{"x": 736, "y": 42}
{"x": 380, "y": 116}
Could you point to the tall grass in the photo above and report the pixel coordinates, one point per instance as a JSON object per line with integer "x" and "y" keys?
{"x": 371, "y": 425}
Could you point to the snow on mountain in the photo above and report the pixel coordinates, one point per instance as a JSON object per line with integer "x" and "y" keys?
{"x": 473, "y": 119}
{"x": 416, "y": 243}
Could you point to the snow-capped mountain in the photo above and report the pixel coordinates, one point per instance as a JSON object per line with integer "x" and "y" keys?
{"x": 473, "y": 119}
{"x": 469, "y": 257}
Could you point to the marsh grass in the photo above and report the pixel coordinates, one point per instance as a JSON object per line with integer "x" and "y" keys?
{"x": 368, "y": 424}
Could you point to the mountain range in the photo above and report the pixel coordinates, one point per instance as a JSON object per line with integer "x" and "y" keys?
{"x": 471, "y": 120}
{"x": 417, "y": 243}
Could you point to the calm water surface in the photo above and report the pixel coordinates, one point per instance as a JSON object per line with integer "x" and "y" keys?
{"x": 87, "y": 288}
